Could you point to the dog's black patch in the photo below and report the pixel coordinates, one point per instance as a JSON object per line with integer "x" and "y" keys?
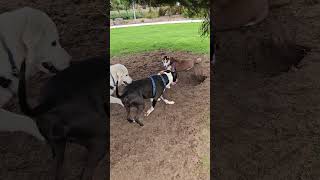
{"x": 73, "y": 109}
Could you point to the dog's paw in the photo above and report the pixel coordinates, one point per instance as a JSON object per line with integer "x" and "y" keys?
{"x": 159, "y": 99}
{"x": 130, "y": 120}
{"x": 139, "y": 122}
{"x": 170, "y": 102}
{"x": 147, "y": 113}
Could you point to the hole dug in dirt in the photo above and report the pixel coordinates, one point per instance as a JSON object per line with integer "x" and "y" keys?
{"x": 272, "y": 58}
{"x": 193, "y": 77}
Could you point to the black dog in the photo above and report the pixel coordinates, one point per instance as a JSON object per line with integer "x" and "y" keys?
{"x": 73, "y": 109}
{"x": 149, "y": 88}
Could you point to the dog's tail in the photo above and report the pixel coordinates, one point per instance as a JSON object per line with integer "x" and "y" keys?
{"x": 22, "y": 94}
{"x": 198, "y": 60}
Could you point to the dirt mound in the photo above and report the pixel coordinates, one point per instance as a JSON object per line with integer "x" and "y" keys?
{"x": 82, "y": 32}
{"x": 267, "y": 127}
{"x": 174, "y": 143}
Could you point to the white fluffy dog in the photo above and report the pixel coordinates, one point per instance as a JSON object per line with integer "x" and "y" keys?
{"x": 13, "y": 122}
{"x": 118, "y": 75}
{"x": 31, "y": 34}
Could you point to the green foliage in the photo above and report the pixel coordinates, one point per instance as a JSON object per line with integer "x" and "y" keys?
{"x": 125, "y": 14}
{"x": 188, "y": 8}
{"x": 195, "y": 8}
{"x": 151, "y": 14}
{"x": 162, "y": 11}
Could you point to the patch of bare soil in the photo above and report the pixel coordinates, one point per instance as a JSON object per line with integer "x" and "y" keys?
{"x": 266, "y": 113}
{"x": 174, "y": 141}
{"x": 82, "y": 29}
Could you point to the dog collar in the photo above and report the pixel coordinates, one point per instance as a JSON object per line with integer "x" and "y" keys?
{"x": 164, "y": 81}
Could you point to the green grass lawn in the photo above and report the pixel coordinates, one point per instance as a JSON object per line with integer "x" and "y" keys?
{"x": 174, "y": 37}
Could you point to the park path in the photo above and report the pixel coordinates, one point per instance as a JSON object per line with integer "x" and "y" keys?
{"x": 156, "y": 23}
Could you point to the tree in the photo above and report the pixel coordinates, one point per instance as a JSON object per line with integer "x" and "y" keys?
{"x": 196, "y": 7}
{"x": 116, "y": 4}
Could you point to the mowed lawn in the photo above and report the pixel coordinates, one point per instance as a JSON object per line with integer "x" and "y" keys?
{"x": 176, "y": 37}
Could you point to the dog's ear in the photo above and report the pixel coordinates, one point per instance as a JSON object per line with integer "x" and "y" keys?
{"x": 32, "y": 33}
{"x": 174, "y": 69}
{"x": 120, "y": 74}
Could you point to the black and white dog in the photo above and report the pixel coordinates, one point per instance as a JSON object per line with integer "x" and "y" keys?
{"x": 73, "y": 109}
{"x": 149, "y": 88}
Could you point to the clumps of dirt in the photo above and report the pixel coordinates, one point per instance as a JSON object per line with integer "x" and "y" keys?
{"x": 174, "y": 143}
{"x": 267, "y": 127}
{"x": 270, "y": 52}
{"x": 277, "y": 52}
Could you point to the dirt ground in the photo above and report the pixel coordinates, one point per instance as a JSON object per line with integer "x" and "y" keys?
{"x": 266, "y": 121}
{"x": 174, "y": 142}
{"x": 82, "y": 29}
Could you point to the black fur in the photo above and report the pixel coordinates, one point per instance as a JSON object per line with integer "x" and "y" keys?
{"x": 73, "y": 109}
{"x": 135, "y": 93}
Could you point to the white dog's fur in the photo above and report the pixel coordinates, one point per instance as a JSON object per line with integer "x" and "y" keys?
{"x": 118, "y": 74}
{"x": 30, "y": 34}
{"x": 11, "y": 122}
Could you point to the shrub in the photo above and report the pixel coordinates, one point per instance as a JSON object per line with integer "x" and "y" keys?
{"x": 151, "y": 14}
{"x": 125, "y": 14}
{"x": 190, "y": 14}
{"x": 162, "y": 11}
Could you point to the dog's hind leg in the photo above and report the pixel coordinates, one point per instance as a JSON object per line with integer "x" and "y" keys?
{"x": 129, "y": 117}
{"x": 59, "y": 149}
{"x": 166, "y": 100}
{"x": 139, "y": 115}
{"x": 96, "y": 152}
{"x": 116, "y": 101}
{"x": 154, "y": 102}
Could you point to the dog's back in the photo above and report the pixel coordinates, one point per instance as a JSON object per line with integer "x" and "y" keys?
{"x": 76, "y": 80}
{"x": 137, "y": 88}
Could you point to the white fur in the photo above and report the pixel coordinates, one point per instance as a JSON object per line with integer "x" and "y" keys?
{"x": 166, "y": 64}
{"x": 166, "y": 101}
{"x": 29, "y": 33}
{"x": 120, "y": 74}
{"x": 11, "y": 122}
{"x": 149, "y": 111}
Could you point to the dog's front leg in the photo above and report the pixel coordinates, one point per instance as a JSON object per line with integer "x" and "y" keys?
{"x": 166, "y": 100}
{"x": 154, "y": 102}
